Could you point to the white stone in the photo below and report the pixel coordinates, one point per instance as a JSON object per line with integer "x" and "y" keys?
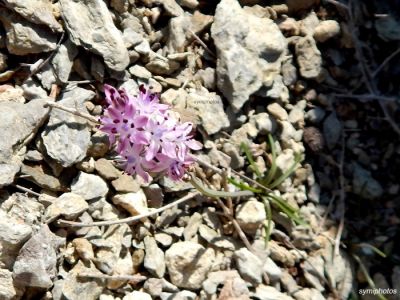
{"x": 134, "y": 203}
{"x": 188, "y": 264}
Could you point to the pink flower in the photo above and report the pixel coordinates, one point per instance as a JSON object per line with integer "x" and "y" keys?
{"x": 147, "y": 138}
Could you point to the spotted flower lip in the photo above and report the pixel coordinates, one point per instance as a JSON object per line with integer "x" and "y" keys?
{"x": 147, "y": 138}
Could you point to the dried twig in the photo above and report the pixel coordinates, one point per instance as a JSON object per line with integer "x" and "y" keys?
{"x": 73, "y": 111}
{"x": 202, "y": 43}
{"x": 130, "y": 219}
{"x": 37, "y": 68}
{"x": 342, "y": 198}
{"x": 366, "y": 73}
{"x": 365, "y": 96}
{"x": 131, "y": 278}
{"x": 387, "y": 59}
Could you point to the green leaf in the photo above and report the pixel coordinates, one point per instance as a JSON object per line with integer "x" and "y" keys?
{"x": 243, "y": 186}
{"x": 246, "y": 150}
{"x": 271, "y": 172}
{"x": 280, "y": 179}
{"x": 268, "y": 225}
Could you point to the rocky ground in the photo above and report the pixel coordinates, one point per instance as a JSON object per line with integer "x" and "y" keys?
{"x": 318, "y": 77}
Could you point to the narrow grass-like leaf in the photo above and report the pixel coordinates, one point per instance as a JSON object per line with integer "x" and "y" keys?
{"x": 268, "y": 225}
{"x": 373, "y": 248}
{"x": 246, "y": 150}
{"x": 290, "y": 211}
{"x": 243, "y": 186}
{"x": 364, "y": 270}
{"x": 272, "y": 170}
{"x": 288, "y": 172}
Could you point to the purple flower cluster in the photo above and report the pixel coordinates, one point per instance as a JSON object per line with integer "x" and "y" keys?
{"x": 147, "y": 137}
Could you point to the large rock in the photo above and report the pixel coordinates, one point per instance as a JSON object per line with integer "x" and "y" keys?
{"x": 36, "y": 263}
{"x": 89, "y": 186}
{"x": 24, "y": 37}
{"x": 18, "y": 125}
{"x": 67, "y": 136}
{"x": 188, "y": 264}
{"x": 90, "y": 25}
{"x": 13, "y": 235}
{"x": 7, "y": 290}
{"x": 249, "y": 50}
{"x": 35, "y": 11}
{"x": 209, "y": 108}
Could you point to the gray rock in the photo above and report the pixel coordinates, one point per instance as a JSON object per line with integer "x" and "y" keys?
{"x": 42, "y": 176}
{"x": 106, "y": 169}
{"x": 315, "y": 115}
{"x": 7, "y": 172}
{"x": 182, "y": 295}
{"x": 161, "y": 67}
{"x": 263, "y": 122}
{"x": 326, "y": 30}
{"x": 172, "y": 8}
{"x": 63, "y": 60}
{"x": 332, "y": 129}
{"x": 7, "y": 290}
{"x": 89, "y": 186}
{"x": 35, "y": 265}
{"x": 250, "y": 215}
{"x": 109, "y": 248}
{"x": 308, "y": 294}
{"x": 25, "y": 209}
{"x": 125, "y": 184}
{"x": 289, "y": 283}
{"x": 134, "y": 203}
{"x": 154, "y": 195}
{"x": 188, "y": 264}
{"x": 215, "y": 279}
{"x": 249, "y": 265}
{"x": 136, "y": 295}
{"x": 33, "y": 155}
{"x": 13, "y": 235}
{"x": 308, "y": 57}
{"x": 139, "y": 72}
{"x": 36, "y": 11}
{"x": 153, "y": 286}
{"x": 18, "y": 124}
{"x": 178, "y": 34}
{"x": 154, "y": 258}
{"x": 68, "y": 205}
{"x": 133, "y": 32}
{"x": 364, "y": 184}
{"x": 247, "y": 48}
{"x": 73, "y": 287}
{"x": 215, "y": 239}
{"x": 192, "y": 226}
{"x": 207, "y": 77}
{"x": 209, "y": 108}
{"x": 277, "y": 111}
{"x": 33, "y": 90}
{"x": 90, "y": 25}
{"x": 264, "y": 292}
{"x": 164, "y": 239}
{"x": 237, "y": 161}
{"x": 273, "y": 271}
{"x": 24, "y": 37}
{"x": 3, "y": 62}
{"x": 66, "y": 136}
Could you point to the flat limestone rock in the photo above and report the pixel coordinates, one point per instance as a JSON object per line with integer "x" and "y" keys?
{"x": 66, "y": 136}
{"x": 18, "y": 124}
{"x": 35, "y": 11}
{"x": 249, "y": 51}
{"x": 90, "y": 25}
{"x": 24, "y": 37}
{"x": 36, "y": 262}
